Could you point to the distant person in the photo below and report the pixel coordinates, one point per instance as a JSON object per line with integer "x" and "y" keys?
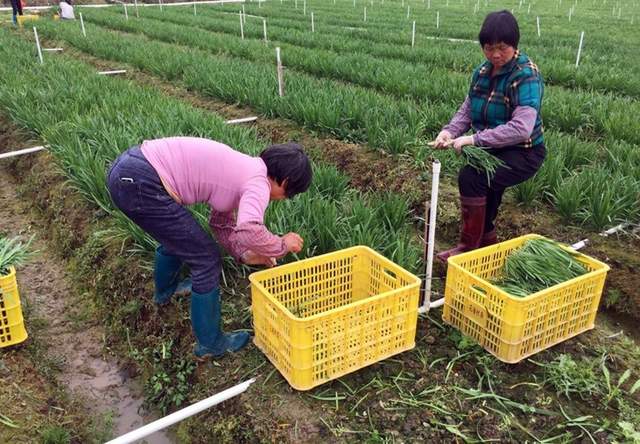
{"x": 503, "y": 110}
{"x": 153, "y": 184}
{"x": 16, "y": 6}
{"x": 66, "y": 10}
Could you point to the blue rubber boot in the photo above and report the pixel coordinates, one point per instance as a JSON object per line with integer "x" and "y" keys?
{"x": 14, "y": 19}
{"x": 206, "y": 320}
{"x": 166, "y": 273}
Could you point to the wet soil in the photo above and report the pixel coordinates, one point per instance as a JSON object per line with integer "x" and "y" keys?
{"x": 66, "y": 328}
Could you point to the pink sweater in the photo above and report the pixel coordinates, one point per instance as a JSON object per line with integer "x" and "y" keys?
{"x": 204, "y": 171}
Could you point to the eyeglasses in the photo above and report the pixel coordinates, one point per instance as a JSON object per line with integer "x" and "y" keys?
{"x": 502, "y": 47}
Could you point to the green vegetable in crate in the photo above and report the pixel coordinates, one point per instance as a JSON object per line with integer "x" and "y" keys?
{"x": 502, "y": 109}
{"x": 13, "y": 253}
{"x": 537, "y": 265}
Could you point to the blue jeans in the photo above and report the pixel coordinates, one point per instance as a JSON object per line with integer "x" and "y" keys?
{"x": 16, "y": 6}
{"x": 137, "y": 191}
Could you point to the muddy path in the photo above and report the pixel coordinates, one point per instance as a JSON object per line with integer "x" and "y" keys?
{"x": 66, "y": 329}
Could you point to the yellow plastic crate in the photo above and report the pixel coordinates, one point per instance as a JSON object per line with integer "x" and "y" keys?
{"x": 12, "y": 329}
{"x": 27, "y": 18}
{"x": 513, "y": 328}
{"x": 321, "y": 318}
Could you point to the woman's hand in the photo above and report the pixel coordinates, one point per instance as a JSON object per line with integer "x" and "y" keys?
{"x": 251, "y": 258}
{"x": 443, "y": 140}
{"x": 461, "y": 142}
{"x": 293, "y": 242}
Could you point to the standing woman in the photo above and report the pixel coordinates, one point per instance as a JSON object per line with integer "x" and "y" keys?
{"x": 16, "y": 6}
{"x": 502, "y": 109}
{"x": 153, "y": 182}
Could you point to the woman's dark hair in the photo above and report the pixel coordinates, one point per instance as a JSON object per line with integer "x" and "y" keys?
{"x": 288, "y": 161}
{"x": 500, "y": 27}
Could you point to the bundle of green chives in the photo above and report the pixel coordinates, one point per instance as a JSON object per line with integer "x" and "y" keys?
{"x": 537, "y": 265}
{"x": 482, "y": 161}
{"x": 13, "y": 253}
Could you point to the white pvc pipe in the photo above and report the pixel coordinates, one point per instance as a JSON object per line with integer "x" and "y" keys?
{"x": 84, "y": 32}
{"x": 243, "y": 120}
{"x": 438, "y": 20}
{"x": 194, "y": 9}
{"x": 304, "y": 7}
{"x": 579, "y": 245}
{"x": 413, "y": 35}
{"x": 538, "y": 24}
{"x": 579, "y": 49}
{"x": 280, "y": 76}
{"x": 264, "y": 29}
{"x": 182, "y": 414}
{"x": 205, "y": 2}
{"x": 115, "y": 71}
{"x": 241, "y": 26}
{"x": 52, "y": 49}
{"x": 21, "y": 152}
{"x": 313, "y": 26}
{"x": 35, "y": 32}
{"x": 408, "y": 11}
{"x": 365, "y": 13}
{"x": 584, "y": 242}
{"x": 475, "y": 42}
{"x": 614, "y": 230}
{"x": 126, "y": 13}
{"x": 431, "y": 238}
{"x": 135, "y": 4}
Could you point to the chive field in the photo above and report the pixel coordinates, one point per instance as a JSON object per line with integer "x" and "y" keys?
{"x": 365, "y": 80}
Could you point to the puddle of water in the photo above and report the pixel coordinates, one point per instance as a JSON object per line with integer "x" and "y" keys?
{"x": 111, "y": 391}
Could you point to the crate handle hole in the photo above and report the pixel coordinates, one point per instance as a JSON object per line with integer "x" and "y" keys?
{"x": 391, "y": 274}
{"x": 479, "y": 291}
